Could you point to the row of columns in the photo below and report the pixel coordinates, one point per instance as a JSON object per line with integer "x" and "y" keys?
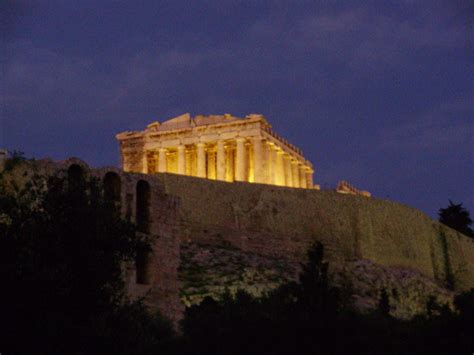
{"x": 283, "y": 170}
{"x": 270, "y": 164}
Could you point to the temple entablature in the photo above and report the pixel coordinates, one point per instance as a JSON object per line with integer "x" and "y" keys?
{"x": 219, "y": 147}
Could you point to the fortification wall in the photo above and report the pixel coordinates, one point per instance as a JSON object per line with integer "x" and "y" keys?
{"x": 273, "y": 227}
{"x": 161, "y": 288}
{"x": 282, "y": 222}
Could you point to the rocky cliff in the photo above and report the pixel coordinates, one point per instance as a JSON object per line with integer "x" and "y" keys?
{"x": 212, "y": 236}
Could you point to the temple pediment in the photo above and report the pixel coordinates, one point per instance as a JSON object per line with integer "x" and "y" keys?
{"x": 180, "y": 122}
{"x": 213, "y": 119}
{"x": 185, "y": 121}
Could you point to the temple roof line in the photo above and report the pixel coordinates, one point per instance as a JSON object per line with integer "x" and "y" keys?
{"x": 185, "y": 122}
{"x": 219, "y": 147}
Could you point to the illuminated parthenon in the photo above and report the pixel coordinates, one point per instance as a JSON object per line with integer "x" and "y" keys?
{"x": 218, "y": 147}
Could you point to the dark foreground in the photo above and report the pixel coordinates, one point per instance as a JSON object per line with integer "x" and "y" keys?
{"x": 62, "y": 247}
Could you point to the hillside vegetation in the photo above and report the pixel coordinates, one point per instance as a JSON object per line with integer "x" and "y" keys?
{"x": 63, "y": 245}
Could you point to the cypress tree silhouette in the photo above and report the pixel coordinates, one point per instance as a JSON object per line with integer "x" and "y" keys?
{"x": 456, "y": 217}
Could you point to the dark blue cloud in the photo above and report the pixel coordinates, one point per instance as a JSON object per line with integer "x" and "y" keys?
{"x": 379, "y": 94}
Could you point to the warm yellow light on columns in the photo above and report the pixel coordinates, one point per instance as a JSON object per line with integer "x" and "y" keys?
{"x": 309, "y": 178}
{"x": 272, "y": 164}
{"x": 280, "y": 172}
{"x": 220, "y": 160}
{"x": 211, "y": 163}
{"x": 240, "y": 157}
{"x": 288, "y": 172}
{"x": 230, "y": 161}
{"x": 302, "y": 174}
{"x": 145, "y": 163}
{"x": 268, "y": 163}
{"x": 181, "y": 160}
{"x": 216, "y": 147}
{"x": 258, "y": 162}
{"x": 201, "y": 160}
{"x": 295, "y": 173}
{"x": 250, "y": 160}
{"x": 162, "y": 160}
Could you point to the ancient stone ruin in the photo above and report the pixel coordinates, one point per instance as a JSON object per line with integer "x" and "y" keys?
{"x": 216, "y": 147}
{"x": 212, "y": 236}
{"x": 344, "y": 187}
{"x": 228, "y": 204}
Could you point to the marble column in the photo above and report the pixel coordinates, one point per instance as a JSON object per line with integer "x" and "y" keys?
{"x": 201, "y": 160}
{"x": 280, "y": 171}
{"x": 268, "y": 163}
{"x": 145, "y": 163}
{"x": 272, "y": 164}
{"x": 230, "y": 161}
{"x": 211, "y": 163}
{"x": 220, "y": 160}
{"x": 162, "y": 160}
{"x": 309, "y": 178}
{"x": 295, "y": 173}
{"x": 258, "y": 162}
{"x": 181, "y": 160}
{"x": 240, "y": 160}
{"x": 302, "y": 173}
{"x": 288, "y": 172}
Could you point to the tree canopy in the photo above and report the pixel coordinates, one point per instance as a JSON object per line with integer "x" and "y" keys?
{"x": 63, "y": 247}
{"x": 456, "y": 217}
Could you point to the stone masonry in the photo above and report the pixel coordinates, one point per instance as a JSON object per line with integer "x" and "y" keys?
{"x": 265, "y": 226}
{"x": 216, "y": 147}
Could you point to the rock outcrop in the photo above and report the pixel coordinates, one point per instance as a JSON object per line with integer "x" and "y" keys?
{"x": 210, "y": 235}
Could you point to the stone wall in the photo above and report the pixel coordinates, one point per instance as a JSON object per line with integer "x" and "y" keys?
{"x": 200, "y": 226}
{"x": 283, "y": 222}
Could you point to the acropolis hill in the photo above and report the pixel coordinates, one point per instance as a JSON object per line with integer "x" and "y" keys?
{"x": 219, "y": 229}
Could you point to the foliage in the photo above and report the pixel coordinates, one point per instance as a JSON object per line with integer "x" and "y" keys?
{"x": 247, "y": 324}
{"x": 450, "y": 280}
{"x": 63, "y": 247}
{"x": 465, "y": 304}
{"x": 15, "y": 158}
{"x": 384, "y": 303}
{"x": 456, "y": 217}
{"x": 309, "y": 316}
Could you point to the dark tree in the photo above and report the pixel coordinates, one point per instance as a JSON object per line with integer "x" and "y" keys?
{"x": 465, "y": 304}
{"x": 456, "y": 217}
{"x": 14, "y": 158}
{"x": 63, "y": 249}
{"x": 384, "y": 303}
{"x": 297, "y": 317}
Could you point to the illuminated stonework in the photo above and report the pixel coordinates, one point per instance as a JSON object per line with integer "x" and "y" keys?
{"x": 344, "y": 187}
{"x": 218, "y": 147}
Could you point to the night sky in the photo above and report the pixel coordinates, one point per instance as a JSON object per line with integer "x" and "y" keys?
{"x": 378, "y": 93}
